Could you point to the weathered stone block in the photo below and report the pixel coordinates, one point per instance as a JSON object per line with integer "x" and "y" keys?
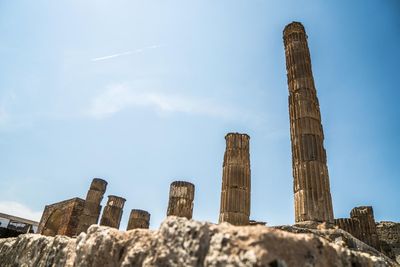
{"x": 389, "y": 238}
{"x": 312, "y": 195}
{"x": 61, "y": 218}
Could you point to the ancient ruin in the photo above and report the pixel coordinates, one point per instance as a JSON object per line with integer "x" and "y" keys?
{"x": 350, "y": 225}
{"x": 61, "y": 218}
{"x": 365, "y": 215}
{"x": 354, "y": 241}
{"x": 361, "y": 225}
{"x": 389, "y": 239}
{"x": 312, "y": 195}
{"x": 112, "y": 212}
{"x": 92, "y": 209}
{"x": 235, "y": 193}
{"x": 74, "y": 216}
{"x": 181, "y": 196}
{"x": 138, "y": 219}
{"x": 188, "y": 243}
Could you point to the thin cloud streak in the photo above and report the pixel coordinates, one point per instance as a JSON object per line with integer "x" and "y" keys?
{"x": 119, "y": 97}
{"x": 137, "y": 51}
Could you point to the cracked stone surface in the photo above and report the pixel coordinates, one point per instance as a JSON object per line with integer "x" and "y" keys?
{"x": 182, "y": 242}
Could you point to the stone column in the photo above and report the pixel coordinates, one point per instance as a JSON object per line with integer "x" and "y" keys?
{"x": 112, "y": 212}
{"x": 138, "y": 219}
{"x": 181, "y": 196}
{"x": 352, "y": 226}
{"x": 235, "y": 193}
{"x": 312, "y": 195}
{"x": 365, "y": 215}
{"x": 92, "y": 207}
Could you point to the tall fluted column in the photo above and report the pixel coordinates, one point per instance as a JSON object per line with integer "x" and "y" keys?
{"x": 235, "y": 193}
{"x": 312, "y": 195}
{"x": 181, "y": 195}
{"x": 112, "y": 213}
{"x": 92, "y": 208}
{"x": 138, "y": 219}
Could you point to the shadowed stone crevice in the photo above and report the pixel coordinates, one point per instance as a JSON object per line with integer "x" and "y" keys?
{"x": 277, "y": 263}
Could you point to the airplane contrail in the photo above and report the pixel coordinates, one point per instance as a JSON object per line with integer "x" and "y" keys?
{"x": 140, "y": 50}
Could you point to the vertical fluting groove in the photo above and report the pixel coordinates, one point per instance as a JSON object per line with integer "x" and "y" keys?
{"x": 311, "y": 187}
{"x": 236, "y": 184}
{"x": 181, "y": 196}
{"x": 350, "y": 225}
{"x": 365, "y": 215}
{"x": 138, "y": 219}
{"x": 92, "y": 208}
{"x": 112, "y": 212}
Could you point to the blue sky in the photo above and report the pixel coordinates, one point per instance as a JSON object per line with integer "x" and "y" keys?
{"x": 142, "y": 93}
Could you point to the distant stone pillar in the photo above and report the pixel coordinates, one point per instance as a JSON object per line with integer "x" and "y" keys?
{"x": 181, "y": 196}
{"x": 92, "y": 207}
{"x": 138, "y": 219}
{"x": 365, "y": 215}
{"x": 352, "y": 226}
{"x": 235, "y": 193}
{"x": 312, "y": 195}
{"x": 112, "y": 212}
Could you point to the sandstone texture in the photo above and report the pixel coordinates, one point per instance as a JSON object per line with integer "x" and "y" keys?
{"x": 312, "y": 195}
{"x": 389, "y": 237}
{"x": 182, "y": 242}
{"x": 61, "y": 218}
{"x": 181, "y": 196}
{"x": 112, "y": 212}
{"x": 236, "y": 180}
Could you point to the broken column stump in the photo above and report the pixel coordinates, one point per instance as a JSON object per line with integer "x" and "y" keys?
{"x": 92, "y": 207}
{"x": 369, "y": 235}
{"x": 112, "y": 213}
{"x": 181, "y": 196}
{"x": 138, "y": 219}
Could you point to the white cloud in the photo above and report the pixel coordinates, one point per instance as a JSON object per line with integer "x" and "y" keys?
{"x": 120, "y": 97}
{"x": 140, "y": 50}
{"x": 19, "y": 210}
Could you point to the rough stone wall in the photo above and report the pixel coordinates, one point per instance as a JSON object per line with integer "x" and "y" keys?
{"x": 312, "y": 195}
{"x": 236, "y": 184}
{"x": 91, "y": 212}
{"x": 112, "y": 213}
{"x": 389, "y": 237}
{"x": 61, "y": 218}
{"x": 181, "y": 196}
{"x": 352, "y": 226}
{"x": 182, "y": 242}
{"x": 138, "y": 219}
{"x": 365, "y": 215}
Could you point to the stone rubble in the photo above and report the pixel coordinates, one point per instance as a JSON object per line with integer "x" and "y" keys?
{"x": 182, "y": 242}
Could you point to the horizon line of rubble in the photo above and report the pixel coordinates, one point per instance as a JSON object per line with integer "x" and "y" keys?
{"x": 312, "y": 197}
